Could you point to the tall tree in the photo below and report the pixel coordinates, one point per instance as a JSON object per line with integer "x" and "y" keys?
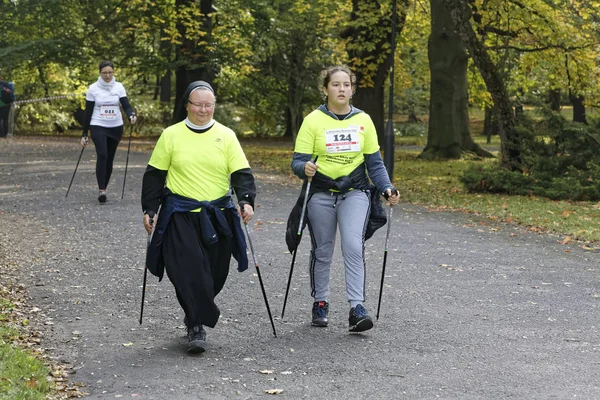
{"x": 368, "y": 44}
{"x": 194, "y": 26}
{"x": 273, "y": 52}
{"x": 510, "y": 144}
{"x": 448, "y": 135}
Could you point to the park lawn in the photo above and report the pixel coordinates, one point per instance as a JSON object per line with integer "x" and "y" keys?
{"x": 22, "y": 374}
{"x": 436, "y": 185}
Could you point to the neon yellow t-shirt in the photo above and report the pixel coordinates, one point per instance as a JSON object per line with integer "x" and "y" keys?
{"x": 198, "y": 164}
{"x": 340, "y": 145}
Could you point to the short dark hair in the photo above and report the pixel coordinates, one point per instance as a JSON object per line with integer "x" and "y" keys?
{"x": 104, "y": 64}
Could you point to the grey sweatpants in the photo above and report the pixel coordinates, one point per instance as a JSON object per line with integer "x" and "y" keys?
{"x": 325, "y": 212}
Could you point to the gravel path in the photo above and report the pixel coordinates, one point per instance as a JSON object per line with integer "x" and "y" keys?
{"x": 471, "y": 309}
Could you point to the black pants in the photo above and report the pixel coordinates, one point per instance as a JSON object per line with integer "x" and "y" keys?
{"x": 106, "y": 141}
{"x": 4, "y": 112}
{"x": 197, "y": 272}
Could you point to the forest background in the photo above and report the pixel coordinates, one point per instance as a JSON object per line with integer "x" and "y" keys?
{"x": 522, "y": 76}
{"x": 495, "y": 101}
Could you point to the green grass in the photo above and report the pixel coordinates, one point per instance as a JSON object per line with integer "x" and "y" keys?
{"x": 436, "y": 185}
{"x": 22, "y": 375}
{"x": 273, "y": 158}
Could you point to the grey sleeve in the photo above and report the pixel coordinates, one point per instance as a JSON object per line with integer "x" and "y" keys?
{"x": 298, "y": 162}
{"x": 377, "y": 172}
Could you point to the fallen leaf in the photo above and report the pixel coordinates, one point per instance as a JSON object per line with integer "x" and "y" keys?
{"x": 128, "y": 344}
{"x": 273, "y": 391}
{"x": 266, "y": 371}
{"x": 567, "y": 240}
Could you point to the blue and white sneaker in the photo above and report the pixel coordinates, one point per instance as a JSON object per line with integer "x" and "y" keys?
{"x": 359, "y": 320}
{"x": 319, "y": 314}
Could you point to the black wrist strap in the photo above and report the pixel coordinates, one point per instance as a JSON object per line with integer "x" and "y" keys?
{"x": 150, "y": 213}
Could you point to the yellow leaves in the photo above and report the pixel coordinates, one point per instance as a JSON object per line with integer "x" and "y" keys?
{"x": 567, "y": 240}
{"x": 273, "y": 391}
{"x": 302, "y": 7}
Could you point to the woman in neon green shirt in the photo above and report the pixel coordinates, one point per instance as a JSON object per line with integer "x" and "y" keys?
{"x": 345, "y": 140}
{"x": 190, "y": 174}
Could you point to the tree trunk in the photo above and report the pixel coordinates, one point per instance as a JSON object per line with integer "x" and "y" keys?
{"x": 519, "y": 110}
{"x": 510, "y": 146}
{"x": 371, "y": 101}
{"x": 43, "y": 81}
{"x": 193, "y": 59}
{"x": 297, "y": 82}
{"x": 165, "y": 87}
{"x": 490, "y": 123}
{"x": 578, "y": 109}
{"x": 412, "y": 115}
{"x": 554, "y": 99}
{"x": 156, "y": 88}
{"x": 165, "y": 49}
{"x": 448, "y": 135}
{"x": 370, "y": 92}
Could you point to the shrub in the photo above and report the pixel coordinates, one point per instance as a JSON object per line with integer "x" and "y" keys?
{"x": 152, "y": 117}
{"x": 562, "y": 165}
{"x": 410, "y": 129}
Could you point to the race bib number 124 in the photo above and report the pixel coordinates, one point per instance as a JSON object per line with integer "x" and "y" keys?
{"x": 342, "y": 140}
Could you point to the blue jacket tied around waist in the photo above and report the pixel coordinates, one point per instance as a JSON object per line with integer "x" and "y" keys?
{"x": 209, "y": 235}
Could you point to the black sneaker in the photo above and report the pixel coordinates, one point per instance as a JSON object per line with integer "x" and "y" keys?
{"x": 319, "y": 313}
{"x": 102, "y": 196}
{"x": 196, "y": 340}
{"x": 359, "y": 320}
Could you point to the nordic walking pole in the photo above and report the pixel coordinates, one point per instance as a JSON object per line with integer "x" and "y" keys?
{"x": 127, "y": 161}
{"x": 73, "y": 177}
{"x": 287, "y": 290}
{"x": 145, "y": 273}
{"x": 387, "y": 236}
{"x": 262, "y": 287}
{"x": 144, "y": 290}
{"x": 299, "y": 233}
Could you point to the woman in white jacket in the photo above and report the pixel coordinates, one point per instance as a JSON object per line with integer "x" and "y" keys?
{"x": 104, "y": 120}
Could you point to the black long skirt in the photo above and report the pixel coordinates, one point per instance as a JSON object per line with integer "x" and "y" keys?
{"x": 197, "y": 272}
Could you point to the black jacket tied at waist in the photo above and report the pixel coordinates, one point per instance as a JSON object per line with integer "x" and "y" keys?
{"x": 357, "y": 180}
{"x": 209, "y": 235}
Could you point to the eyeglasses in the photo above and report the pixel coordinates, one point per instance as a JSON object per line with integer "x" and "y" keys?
{"x": 207, "y": 106}
{"x": 107, "y": 73}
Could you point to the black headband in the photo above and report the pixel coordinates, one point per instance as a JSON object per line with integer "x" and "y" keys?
{"x": 195, "y": 85}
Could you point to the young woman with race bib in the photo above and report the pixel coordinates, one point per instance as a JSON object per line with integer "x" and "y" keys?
{"x": 341, "y": 194}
